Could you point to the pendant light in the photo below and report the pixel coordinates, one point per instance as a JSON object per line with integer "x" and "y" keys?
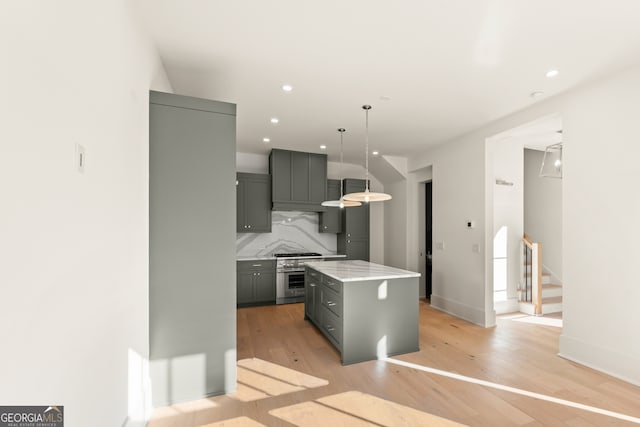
{"x": 340, "y": 203}
{"x": 367, "y": 196}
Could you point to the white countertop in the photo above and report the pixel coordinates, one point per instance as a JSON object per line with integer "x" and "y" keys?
{"x": 352, "y": 271}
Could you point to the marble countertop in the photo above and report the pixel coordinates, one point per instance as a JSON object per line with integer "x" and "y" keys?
{"x": 272, "y": 258}
{"x": 352, "y": 271}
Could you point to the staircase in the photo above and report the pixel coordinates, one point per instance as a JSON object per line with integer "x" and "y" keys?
{"x": 551, "y": 298}
{"x": 537, "y": 294}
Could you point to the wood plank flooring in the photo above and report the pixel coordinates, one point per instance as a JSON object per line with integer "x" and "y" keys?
{"x": 514, "y": 354}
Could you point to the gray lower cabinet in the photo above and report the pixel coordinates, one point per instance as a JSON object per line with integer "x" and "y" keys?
{"x": 298, "y": 180}
{"x": 357, "y": 321}
{"x": 353, "y": 240}
{"x": 253, "y": 203}
{"x": 331, "y": 220}
{"x": 311, "y": 294}
{"x": 256, "y": 283}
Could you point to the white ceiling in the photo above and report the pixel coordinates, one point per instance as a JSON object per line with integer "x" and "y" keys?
{"x": 445, "y": 67}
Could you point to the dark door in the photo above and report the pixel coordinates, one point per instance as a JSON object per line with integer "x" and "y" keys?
{"x": 429, "y": 237}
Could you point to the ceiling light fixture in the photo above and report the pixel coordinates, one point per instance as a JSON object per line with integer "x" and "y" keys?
{"x": 551, "y": 166}
{"x": 367, "y": 196}
{"x": 375, "y": 153}
{"x": 552, "y": 73}
{"x": 275, "y": 120}
{"x": 287, "y": 88}
{"x": 266, "y": 140}
{"x": 323, "y": 147}
{"x": 340, "y": 203}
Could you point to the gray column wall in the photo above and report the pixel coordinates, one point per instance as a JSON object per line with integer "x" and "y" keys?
{"x": 192, "y": 209}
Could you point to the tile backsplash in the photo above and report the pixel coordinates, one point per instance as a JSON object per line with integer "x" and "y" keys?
{"x": 290, "y": 232}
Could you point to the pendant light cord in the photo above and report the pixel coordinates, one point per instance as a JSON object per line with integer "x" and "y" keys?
{"x": 341, "y": 130}
{"x": 366, "y": 150}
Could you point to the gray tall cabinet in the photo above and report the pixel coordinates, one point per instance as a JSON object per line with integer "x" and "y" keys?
{"x": 192, "y": 274}
{"x": 353, "y": 241}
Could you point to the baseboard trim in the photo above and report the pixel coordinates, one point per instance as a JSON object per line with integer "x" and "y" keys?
{"x": 610, "y": 362}
{"x": 470, "y": 314}
{"x": 511, "y": 305}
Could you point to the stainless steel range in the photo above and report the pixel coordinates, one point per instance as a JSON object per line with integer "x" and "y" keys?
{"x": 290, "y": 276}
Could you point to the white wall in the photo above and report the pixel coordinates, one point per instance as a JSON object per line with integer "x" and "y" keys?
{"x": 259, "y": 163}
{"x": 458, "y": 284}
{"x": 508, "y": 204}
{"x": 395, "y": 213}
{"x": 74, "y": 247}
{"x": 600, "y": 208}
{"x": 543, "y": 212}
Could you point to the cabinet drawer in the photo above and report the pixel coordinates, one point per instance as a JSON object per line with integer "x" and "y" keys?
{"x": 258, "y": 265}
{"x": 331, "y": 325}
{"x": 332, "y": 300}
{"x": 332, "y": 284}
{"x": 311, "y": 280}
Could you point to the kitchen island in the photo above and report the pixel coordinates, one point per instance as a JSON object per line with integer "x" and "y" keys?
{"x": 366, "y": 310}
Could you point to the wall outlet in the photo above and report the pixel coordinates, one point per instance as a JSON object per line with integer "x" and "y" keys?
{"x": 475, "y": 248}
{"x": 471, "y": 224}
{"x": 440, "y": 246}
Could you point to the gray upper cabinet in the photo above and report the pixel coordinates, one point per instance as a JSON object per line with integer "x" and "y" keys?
{"x": 318, "y": 178}
{"x": 353, "y": 241}
{"x": 253, "y": 203}
{"x": 298, "y": 180}
{"x": 331, "y": 219}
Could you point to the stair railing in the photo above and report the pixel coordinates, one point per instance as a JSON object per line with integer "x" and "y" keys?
{"x": 531, "y": 286}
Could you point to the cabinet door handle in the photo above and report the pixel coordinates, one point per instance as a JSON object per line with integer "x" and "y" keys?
{"x": 258, "y": 274}
{"x": 248, "y": 226}
{"x": 312, "y": 285}
{"x": 257, "y": 265}
{"x": 331, "y": 303}
{"x": 329, "y": 328}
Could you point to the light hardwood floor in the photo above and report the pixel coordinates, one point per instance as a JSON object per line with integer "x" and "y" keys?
{"x": 514, "y": 354}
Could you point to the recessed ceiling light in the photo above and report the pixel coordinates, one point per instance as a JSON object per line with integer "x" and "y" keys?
{"x": 266, "y": 139}
{"x": 287, "y": 88}
{"x": 536, "y": 94}
{"x": 323, "y": 147}
{"x": 274, "y": 120}
{"x": 375, "y": 153}
{"x": 552, "y": 73}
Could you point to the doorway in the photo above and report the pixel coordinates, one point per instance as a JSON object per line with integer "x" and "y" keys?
{"x": 428, "y": 227}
